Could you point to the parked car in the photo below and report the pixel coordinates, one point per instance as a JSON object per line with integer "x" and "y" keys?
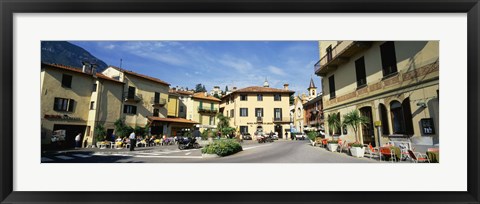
{"x": 247, "y": 136}
{"x": 300, "y": 136}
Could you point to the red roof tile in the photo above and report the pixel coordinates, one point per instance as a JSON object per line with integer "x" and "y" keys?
{"x": 79, "y": 70}
{"x": 173, "y": 120}
{"x": 260, "y": 89}
{"x": 201, "y": 95}
{"x": 141, "y": 75}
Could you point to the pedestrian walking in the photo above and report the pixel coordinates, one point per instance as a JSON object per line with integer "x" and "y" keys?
{"x": 133, "y": 141}
{"x": 77, "y": 140}
{"x": 286, "y": 135}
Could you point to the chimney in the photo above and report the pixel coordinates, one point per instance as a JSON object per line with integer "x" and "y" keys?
{"x": 285, "y": 86}
{"x": 85, "y": 67}
{"x": 234, "y": 88}
{"x": 206, "y": 94}
{"x": 174, "y": 88}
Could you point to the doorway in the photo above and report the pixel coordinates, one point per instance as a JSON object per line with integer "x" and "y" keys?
{"x": 278, "y": 129}
{"x": 71, "y": 131}
{"x": 367, "y": 130}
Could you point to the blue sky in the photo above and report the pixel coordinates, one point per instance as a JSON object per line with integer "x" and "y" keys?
{"x": 222, "y": 63}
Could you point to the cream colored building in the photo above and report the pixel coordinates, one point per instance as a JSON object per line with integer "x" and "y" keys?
{"x": 203, "y": 108}
{"x": 392, "y": 83}
{"x": 143, "y": 96}
{"x": 77, "y": 100}
{"x": 257, "y": 108}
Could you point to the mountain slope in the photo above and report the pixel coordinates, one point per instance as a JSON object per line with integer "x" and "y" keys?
{"x": 62, "y": 52}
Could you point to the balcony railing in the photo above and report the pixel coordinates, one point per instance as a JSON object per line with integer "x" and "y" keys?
{"x": 207, "y": 110}
{"x": 159, "y": 102}
{"x": 282, "y": 119}
{"x": 135, "y": 98}
{"x": 340, "y": 54}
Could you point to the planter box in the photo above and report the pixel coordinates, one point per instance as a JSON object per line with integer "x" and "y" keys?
{"x": 332, "y": 146}
{"x": 210, "y": 156}
{"x": 357, "y": 151}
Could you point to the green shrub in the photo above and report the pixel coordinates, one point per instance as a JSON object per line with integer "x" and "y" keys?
{"x": 332, "y": 141}
{"x": 356, "y": 145}
{"x": 222, "y": 147}
{"x": 312, "y": 135}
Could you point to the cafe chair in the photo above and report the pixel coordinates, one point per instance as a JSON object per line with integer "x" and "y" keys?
{"x": 418, "y": 157}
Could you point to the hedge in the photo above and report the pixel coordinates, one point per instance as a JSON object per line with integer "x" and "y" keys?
{"x": 222, "y": 147}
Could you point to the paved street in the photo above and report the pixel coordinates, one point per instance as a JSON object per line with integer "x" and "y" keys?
{"x": 276, "y": 152}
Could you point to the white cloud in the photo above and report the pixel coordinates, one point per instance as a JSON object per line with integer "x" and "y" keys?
{"x": 276, "y": 70}
{"x": 109, "y": 46}
{"x": 241, "y": 65}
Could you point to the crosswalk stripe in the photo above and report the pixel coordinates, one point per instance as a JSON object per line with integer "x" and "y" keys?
{"x": 171, "y": 157}
{"x": 64, "y": 157}
{"x": 45, "y": 159}
{"x": 82, "y": 155}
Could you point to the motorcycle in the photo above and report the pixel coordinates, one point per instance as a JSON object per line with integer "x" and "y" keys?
{"x": 264, "y": 139}
{"x": 188, "y": 143}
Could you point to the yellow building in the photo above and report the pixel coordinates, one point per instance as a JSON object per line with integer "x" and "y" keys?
{"x": 77, "y": 100}
{"x": 173, "y": 104}
{"x": 394, "y": 84}
{"x": 258, "y": 108}
{"x": 203, "y": 109}
{"x": 143, "y": 96}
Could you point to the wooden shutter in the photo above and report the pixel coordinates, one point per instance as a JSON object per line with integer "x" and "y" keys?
{"x": 407, "y": 116}
{"x": 71, "y": 105}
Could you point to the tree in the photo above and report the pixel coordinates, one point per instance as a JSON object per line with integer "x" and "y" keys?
{"x": 204, "y": 89}
{"x": 223, "y": 124}
{"x": 355, "y": 120}
{"x": 198, "y": 88}
{"x": 333, "y": 122}
{"x": 121, "y": 129}
{"x": 100, "y": 132}
{"x": 216, "y": 96}
{"x": 226, "y": 89}
{"x": 292, "y": 99}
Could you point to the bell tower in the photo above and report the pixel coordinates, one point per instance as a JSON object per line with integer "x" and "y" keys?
{"x": 312, "y": 90}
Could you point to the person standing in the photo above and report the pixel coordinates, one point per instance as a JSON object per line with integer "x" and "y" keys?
{"x": 77, "y": 140}
{"x": 133, "y": 141}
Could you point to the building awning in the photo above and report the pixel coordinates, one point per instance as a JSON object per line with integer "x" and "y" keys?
{"x": 171, "y": 120}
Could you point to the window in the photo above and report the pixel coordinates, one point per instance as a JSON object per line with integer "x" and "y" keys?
{"x": 344, "y": 128}
{"x": 360, "y": 71}
{"x": 131, "y": 92}
{"x": 67, "y": 81}
{"x": 63, "y": 104}
{"x": 156, "y": 112}
{"x": 243, "y": 112}
{"x": 331, "y": 84}
{"x": 259, "y": 97}
{"x": 94, "y": 87}
{"x": 384, "y": 119}
{"x": 243, "y": 129}
{"x": 201, "y": 104}
{"x": 313, "y": 92}
{"x": 212, "y": 120}
{"x": 92, "y": 105}
{"x": 389, "y": 60}
{"x": 258, "y": 112}
{"x": 156, "y": 99}
{"x": 277, "y": 97}
{"x": 277, "y": 114}
{"x": 401, "y": 117}
{"x": 243, "y": 97}
{"x": 232, "y": 113}
{"x": 129, "y": 109}
{"x": 181, "y": 109}
{"x": 329, "y": 53}
{"x": 211, "y": 106}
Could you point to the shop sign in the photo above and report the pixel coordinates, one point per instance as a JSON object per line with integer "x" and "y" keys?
{"x": 427, "y": 126}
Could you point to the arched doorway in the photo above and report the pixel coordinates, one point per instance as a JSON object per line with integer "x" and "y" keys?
{"x": 367, "y": 130}
{"x": 278, "y": 129}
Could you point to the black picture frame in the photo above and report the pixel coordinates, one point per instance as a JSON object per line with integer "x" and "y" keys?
{"x": 10, "y": 7}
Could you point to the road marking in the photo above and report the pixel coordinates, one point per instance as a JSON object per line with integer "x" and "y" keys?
{"x": 247, "y": 148}
{"x": 64, "y": 157}
{"x": 82, "y": 155}
{"x": 169, "y": 157}
{"x": 45, "y": 159}
{"x": 188, "y": 153}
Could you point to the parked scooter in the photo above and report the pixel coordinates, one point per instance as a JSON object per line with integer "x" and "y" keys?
{"x": 188, "y": 143}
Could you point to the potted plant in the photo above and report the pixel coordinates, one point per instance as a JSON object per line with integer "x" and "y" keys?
{"x": 312, "y": 136}
{"x": 333, "y": 122}
{"x": 332, "y": 145}
{"x": 355, "y": 120}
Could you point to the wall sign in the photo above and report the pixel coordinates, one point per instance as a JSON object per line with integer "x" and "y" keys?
{"x": 427, "y": 126}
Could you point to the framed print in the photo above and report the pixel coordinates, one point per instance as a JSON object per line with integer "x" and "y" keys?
{"x": 251, "y": 102}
